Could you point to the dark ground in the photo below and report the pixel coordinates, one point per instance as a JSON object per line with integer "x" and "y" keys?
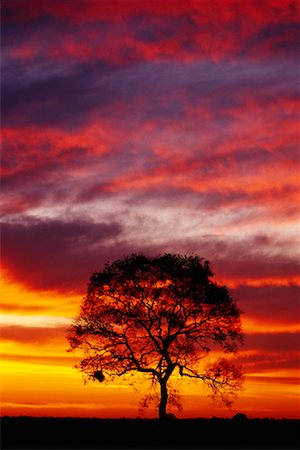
{"x": 71, "y": 433}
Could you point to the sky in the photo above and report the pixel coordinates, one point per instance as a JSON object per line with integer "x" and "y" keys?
{"x": 148, "y": 126}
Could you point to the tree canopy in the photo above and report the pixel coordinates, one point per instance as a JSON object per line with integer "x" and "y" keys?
{"x": 159, "y": 316}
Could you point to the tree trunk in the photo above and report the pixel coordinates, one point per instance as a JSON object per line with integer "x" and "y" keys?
{"x": 162, "y": 409}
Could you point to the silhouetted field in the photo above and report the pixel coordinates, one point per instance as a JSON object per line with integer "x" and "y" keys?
{"x": 73, "y": 433}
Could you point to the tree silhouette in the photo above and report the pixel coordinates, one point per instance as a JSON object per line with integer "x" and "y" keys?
{"x": 159, "y": 316}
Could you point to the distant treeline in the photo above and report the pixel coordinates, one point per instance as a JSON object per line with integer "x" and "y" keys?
{"x": 74, "y": 433}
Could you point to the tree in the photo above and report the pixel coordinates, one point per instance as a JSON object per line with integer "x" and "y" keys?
{"x": 159, "y": 316}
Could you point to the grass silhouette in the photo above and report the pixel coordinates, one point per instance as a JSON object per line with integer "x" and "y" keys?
{"x": 67, "y": 433}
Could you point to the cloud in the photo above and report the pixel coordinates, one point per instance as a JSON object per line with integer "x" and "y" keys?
{"x": 273, "y": 342}
{"x": 272, "y": 353}
{"x": 55, "y": 254}
{"x": 269, "y": 303}
{"x": 32, "y": 335}
{"x": 151, "y": 128}
{"x": 152, "y": 124}
{"x": 48, "y": 161}
{"x": 52, "y": 254}
{"x": 250, "y": 266}
{"x": 41, "y": 359}
{"x": 143, "y": 30}
{"x": 70, "y": 95}
{"x": 223, "y": 172}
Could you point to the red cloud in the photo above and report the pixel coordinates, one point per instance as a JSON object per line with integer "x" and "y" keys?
{"x": 56, "y": 254}
{"x": 149, "y": 30}
{"x": 32, "y": 335}
{"x": 270, "y": 11}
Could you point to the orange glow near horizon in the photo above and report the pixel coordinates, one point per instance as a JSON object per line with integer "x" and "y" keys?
{"x": 38, "y": 376}
{"x": 38, "y": 389}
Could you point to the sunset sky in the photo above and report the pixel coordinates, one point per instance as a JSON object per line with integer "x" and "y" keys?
{"x": 148, "y": 126}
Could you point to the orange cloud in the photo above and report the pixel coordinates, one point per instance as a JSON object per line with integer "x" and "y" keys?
{"x": 18, "y": 300}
